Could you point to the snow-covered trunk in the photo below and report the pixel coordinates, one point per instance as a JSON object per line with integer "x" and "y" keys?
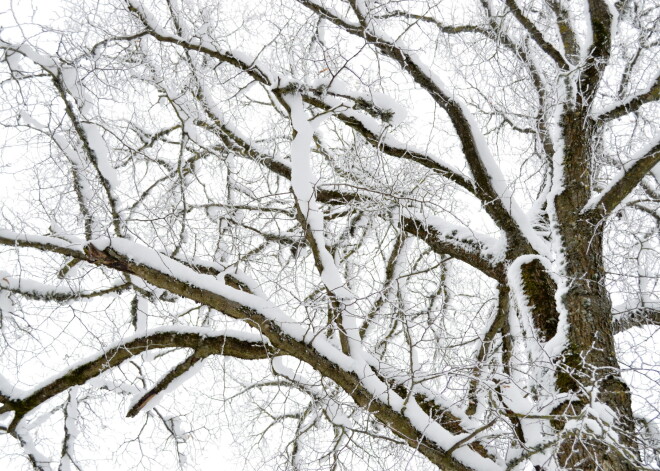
{"x": 597, "y": 410}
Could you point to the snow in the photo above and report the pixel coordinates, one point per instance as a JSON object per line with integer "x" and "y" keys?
{"x": 620, "y": 311}
{"x": 554, "y": 346}
{"x": 587, "y": 43}
{"x": 38, "y": 289}
{"x": 157, "y": 261}
{"x": 19, "y": 394}
{"x": 201, "y": 43}
{"x": 26, "y": 50}
{"x": 100, "y": 148}
{"x": 302, "y": 184}
{"x": 7, "y": 389}
{"x": 497, "y": 180}
{"x": 30, "y": 448}
{"x": 595, "y": 200}
{"x": 41, "y": 240}
{"x": 491, "y": 248}
{"x": 173, "y": 385}
{"x": 357, "y": 363}
{"x": 73, "y": 86}
{"x": 340, "y": 92}
{"x": 444, "y": 439}
{"x": 71, "y": 424}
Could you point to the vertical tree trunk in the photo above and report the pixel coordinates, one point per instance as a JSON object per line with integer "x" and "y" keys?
{"x": 589, "y": 368}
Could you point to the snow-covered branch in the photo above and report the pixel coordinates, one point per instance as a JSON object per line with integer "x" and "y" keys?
{"x": 627, "y": 179}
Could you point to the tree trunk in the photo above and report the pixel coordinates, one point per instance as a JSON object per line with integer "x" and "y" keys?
{"x": 589, "y": 368}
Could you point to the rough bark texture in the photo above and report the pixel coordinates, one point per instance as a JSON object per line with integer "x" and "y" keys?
{"x": 253, "y": 253}
{"x": 589, "y": 362}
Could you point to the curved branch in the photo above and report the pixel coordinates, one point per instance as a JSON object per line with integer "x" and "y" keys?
{"x": 285, "y": 335}
{"x": 203, "y": 341}
{"x": 470, "y": 250}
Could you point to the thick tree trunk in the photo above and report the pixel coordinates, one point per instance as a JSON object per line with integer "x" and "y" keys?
{"x": 589, "y": 368}
{"x": 590, "y": 365}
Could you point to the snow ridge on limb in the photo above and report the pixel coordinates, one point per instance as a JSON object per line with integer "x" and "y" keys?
{"x": 310, "y": 216}
{"x": 552, "y": 346}
{"x": 290, "y": 338}
{"x": 285, "y": 335}
{"x": 39, "y": 291}
{"x": 631, "y": 104}
{"x": 478, "y": 250}
{"x": 627, "y": 179}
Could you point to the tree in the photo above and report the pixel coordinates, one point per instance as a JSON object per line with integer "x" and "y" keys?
{"x": 379, "y": 231}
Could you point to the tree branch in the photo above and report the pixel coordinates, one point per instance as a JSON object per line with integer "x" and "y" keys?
{"x": 206, "y": 342}
{"x": 164, "y": 383}
{"x": 638, "y": 317}
{"x": 537, "y": 36}
{"x": 632, "y": 104}
{"x": 285, "y": 336}
{"x": 622, "y": 184}
{"x": 488, "y": 189}
{"x": 468, "y": 250}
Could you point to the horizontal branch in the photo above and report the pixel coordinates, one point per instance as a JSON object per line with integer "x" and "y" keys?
{"x": 637, "y": 317}
{"x": 40, "y": 292}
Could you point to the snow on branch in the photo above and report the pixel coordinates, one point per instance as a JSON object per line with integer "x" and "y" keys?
{"x": 627, "y": 179}
{"x": 478, "y": 250}
{"x": 41, "y": 292}
{"x": 284, "y": 333}
{"x": 310, "y": 216}
{"x": 77, "y": 106}
{"x": 352, "y": 374}
{"x": 631, "y": 104}
{"x": 203, "y": 341}
{"x": 235, "y": 58}
{"x": 626, "y": 317}
{"x": 491, "y": 187}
